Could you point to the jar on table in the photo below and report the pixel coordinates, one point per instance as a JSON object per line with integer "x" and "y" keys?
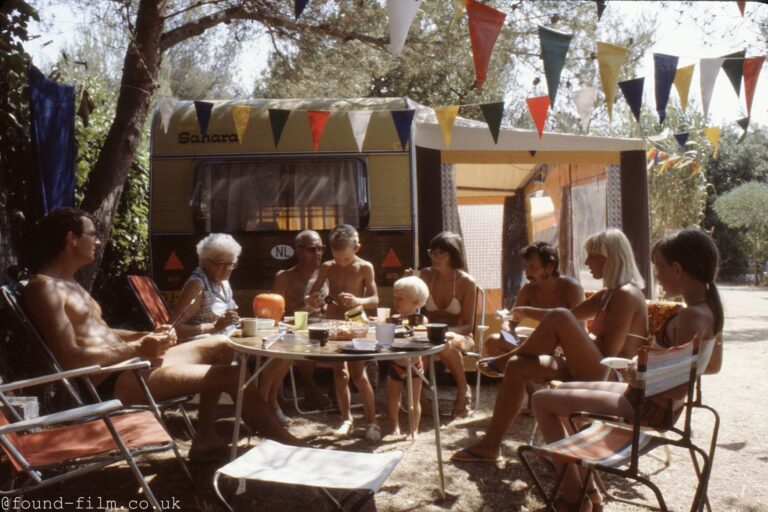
{"x": 356, "y": 314}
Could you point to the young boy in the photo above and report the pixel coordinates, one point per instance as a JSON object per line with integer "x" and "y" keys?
{"x": 409, "y": 295}
{"x": 350, "y": 284}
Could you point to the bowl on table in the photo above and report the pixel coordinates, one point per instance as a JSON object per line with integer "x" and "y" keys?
{"x": 364, "y": 344}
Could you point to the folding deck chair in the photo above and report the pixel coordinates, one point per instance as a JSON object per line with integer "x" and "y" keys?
{"x": 67, "y": 444}
{"x": 614, "y": 445}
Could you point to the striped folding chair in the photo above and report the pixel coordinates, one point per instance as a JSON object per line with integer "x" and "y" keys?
{"x": 615, "y": 445}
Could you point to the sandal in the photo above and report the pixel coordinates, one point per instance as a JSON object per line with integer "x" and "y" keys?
{"x": 488, "y": 367}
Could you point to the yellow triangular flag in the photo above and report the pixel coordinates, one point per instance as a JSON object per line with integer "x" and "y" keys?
{"x": 682, "y": 83}
{"x": 241, "y": 115}
{"x": 713, "y": 134}
{"x": 446, "y": 117}
{"x": 610, "y": 57}
{"x": 461, "y": 6}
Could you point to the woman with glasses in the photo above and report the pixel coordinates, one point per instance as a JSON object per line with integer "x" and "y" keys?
{"x": 452, "y": 295}
{"x": 205, "y": 305}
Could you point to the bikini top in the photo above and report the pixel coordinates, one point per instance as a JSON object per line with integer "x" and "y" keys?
{"x": 597, "y": 327}
{"x": 454, "y": 307}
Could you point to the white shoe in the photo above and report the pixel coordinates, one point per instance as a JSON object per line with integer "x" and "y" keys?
{"x": 282, "y": 418}
{"x": 373, "y": 434}
{"x": 344, "y": 430}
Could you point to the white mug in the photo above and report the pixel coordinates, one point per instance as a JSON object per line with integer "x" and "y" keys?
{"x": 250, "y": 326}
{"x": 382, "y": 314}
{"x": 385, "y": 334}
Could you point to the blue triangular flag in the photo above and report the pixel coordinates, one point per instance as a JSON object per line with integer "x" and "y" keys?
{"x": 203, "y": 109}
{"x": 633, "y": 93}
{"x": 403, "y": 120}
{"x": 682, "y": 138}
{"x": 298, "y": 7}
{"x": 666, "y": 67}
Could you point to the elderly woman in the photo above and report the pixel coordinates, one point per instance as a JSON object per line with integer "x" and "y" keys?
{"x": 452, "y": 295}
{"x": 619, "y": 327}
{"x": 214, "y": 310}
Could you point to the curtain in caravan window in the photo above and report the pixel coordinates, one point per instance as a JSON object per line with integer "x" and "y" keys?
{"x": 279, "y": 195}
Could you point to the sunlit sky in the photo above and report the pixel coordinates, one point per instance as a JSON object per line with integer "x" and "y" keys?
{"x": 724, "y": 31}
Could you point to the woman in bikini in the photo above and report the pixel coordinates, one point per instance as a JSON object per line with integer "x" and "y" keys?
{"x": 685, "y": 266}
{"x": 452, "y": 295}
{"x": 620, "y": 325}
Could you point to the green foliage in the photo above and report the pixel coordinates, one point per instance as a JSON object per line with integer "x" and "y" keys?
{"x": 746, "y": 208}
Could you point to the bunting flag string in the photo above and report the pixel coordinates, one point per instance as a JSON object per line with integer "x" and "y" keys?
{"x": 403, "y": 120}
{"x": 708, "y": 71}
{"x": 600, "y": 8}
{"x": 584, "y": 99}
{"x": 610, "y": 59}
{"x": 539, "y": 108}
{"x": 751, "y": 72}
{"x": 664, "y": 67}
{"x": 461, "y": 6}
{"x": 633, "y": 93}
{"x": 713, "y": 134}
{"x": 241, "y": 115}
{"x": 683, "y": 77}
{"x": 493, "y": 113}
{"x": 358, "y": 120}
{"x": 554, "y": 47}
{"x": 165, "y": 106}
{"x": 484, "y": 27}
{"x": 446, "y": 116}
{"x": 277, "y": 119}
{"x": 733, "y": 65}
{"x": 401, "y": 14}
{"x": 317, "y": 120}
{"x": 681, "y": 139}
{"x": 203, "y": 109}
{"x": 298, "y": 8}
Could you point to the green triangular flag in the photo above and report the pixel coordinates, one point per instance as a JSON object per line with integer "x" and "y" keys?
{"x": 493, "y": 112}
{"x": 733, "y": 65}
{"x": 600, "y": 8}
{"x": 554, "y": 47}
{"x": 744, "y": 123}
{"x": 277, "y": 118}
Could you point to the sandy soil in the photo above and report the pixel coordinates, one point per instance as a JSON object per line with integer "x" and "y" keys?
{"x": 738, "y": 482}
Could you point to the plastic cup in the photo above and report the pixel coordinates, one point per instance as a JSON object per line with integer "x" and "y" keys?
{"x": 436, "y": 333}
{"x": 249, "y": 326}
{"x": 382, "y": 314}
{"x": 300, "y": 319}
{"x": 385, "y": 334}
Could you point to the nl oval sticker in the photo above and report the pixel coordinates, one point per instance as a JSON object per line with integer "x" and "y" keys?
{"x": 281, "y": 252}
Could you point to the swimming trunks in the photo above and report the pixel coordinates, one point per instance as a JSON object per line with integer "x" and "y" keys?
{"x": 398, "y": 373}
{"x": 106, "y": 388}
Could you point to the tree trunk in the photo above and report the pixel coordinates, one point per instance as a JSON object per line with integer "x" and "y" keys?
{"x": 140, "y": 69}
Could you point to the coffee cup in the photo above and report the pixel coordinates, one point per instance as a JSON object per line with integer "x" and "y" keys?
{"x": 382, "y": 314}
{"x": 319, "y": 333}
{"x": 300, "y": 320}
{"x": 249, "y": 326}
{"x": 385, "y": 334}
{"x": 436, "y": 333}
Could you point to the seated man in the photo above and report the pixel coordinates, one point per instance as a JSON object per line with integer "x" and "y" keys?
{"x": 70, "y": 321}
{"x": 545, "y": 288}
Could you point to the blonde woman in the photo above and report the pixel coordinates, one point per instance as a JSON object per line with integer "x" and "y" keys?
{"x": 619, "y": 327}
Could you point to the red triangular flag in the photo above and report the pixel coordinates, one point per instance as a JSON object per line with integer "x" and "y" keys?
{"x": 539, "y": 108}
{"x": 391, "y": 260}
{"x": 485, "y": 24}
{"x": 751, "y": 71}
{"x": 317, "y": 120}
{"x": 173, "y": 263}
{"x": 741, "y": 4}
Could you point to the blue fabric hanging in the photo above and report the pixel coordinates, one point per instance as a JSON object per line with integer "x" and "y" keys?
{"x": 53, "y": 131}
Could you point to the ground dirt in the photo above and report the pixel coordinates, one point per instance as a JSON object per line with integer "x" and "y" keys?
{"x": 738, "y": 482}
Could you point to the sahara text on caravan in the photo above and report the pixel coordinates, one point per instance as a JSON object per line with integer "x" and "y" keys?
{"x": 194, "y": 138}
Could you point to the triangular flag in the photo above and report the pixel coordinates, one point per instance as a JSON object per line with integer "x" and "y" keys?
{"x": 298, "y": 7}
{"x": 277, "y": 119}
{"x": 713, "y": 134}
{"x": 539, "y": 108}
{"x": 402, "y": 120}
{"x": 485, "y": 23}
{"x": 683, "y": 78}
{"x": 203, "y": 109}
{"x": 493, "y": 113}
{"x": 446, "y": 116}
{"x": 600, "y": 8}
{"x": 741, "y": 4}
{"x": 166, "y": 106}
{"x": 461, "y": 6}
{"x": 401, "y": 14}
{"x": 682, "y": 138}
{"x": 751, "y": 73}
{"x": 554, "y": 47}
{"x": 173, "y": 262}
{"x": 708, "y": 70}
{"x": 358, "y": 120}
{"x": 532, "y": 153}
{"x": 391, "y": 260}
{"x": 733, "y": 65}
{"x": 610, "y": 57}
{"x": 665, "y": 67}
{"x": 584, "y": 99}
{"x": 241, "y": 115}
{"x": 744, "y": 123}
{"x": 633, "y": 93}
{"x": 317, "y": 120}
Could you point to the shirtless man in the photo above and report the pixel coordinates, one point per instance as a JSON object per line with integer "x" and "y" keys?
{"x": 294, "y": 285}
{"x": 545, "y": 288}
{"x": 70, "y": 321}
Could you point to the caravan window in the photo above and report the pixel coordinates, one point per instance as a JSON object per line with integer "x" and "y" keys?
{"x": 280, "y": 195}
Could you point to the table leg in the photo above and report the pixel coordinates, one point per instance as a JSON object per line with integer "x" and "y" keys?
{"x": 436, "y": 418}
{"x": 409, "y": 383}
{"x": 239, "y": 405}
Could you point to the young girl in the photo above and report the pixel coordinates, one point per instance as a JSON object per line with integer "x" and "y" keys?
{"x": 410, "y": 294}
{"x": 685, "y": 265}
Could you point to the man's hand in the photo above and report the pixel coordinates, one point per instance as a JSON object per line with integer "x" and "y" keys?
{"x": 155, "y": 345}
{"x": 517, "y": 314}
{"x": 348, "y": 300}
{"x": 315, "y": 300}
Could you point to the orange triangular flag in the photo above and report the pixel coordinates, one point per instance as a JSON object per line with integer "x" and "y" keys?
{"x": 539, "y": 108}
{"x": 742, "y": 4}
{"x": 317, "y": 120}
{"x": 485, "y": 24}
{"x": 391, "y": 260}
{"x": 750, "y": 72}
{"x": 173, "y": 263}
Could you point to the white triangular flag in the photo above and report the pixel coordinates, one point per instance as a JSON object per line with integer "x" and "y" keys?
{"x": 708, "y": 69}
{"x": 585, "y": 103}
{"x": 401, "y": 14}
{"x": 166, "y": 106}
{"x": 359, "y": 120}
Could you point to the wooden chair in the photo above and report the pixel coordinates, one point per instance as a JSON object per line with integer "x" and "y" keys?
{"x": 615, "y": 445}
